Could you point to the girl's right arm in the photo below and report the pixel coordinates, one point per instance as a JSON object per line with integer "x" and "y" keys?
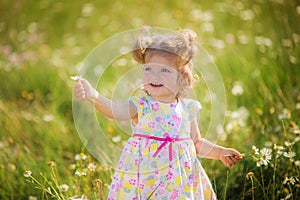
{"x": 205, "y": 148}
{"x": 121, "y": 111}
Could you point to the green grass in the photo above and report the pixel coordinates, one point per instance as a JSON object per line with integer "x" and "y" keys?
{"x": 255, "y": 43}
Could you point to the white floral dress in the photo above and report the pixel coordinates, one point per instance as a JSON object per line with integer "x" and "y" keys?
{"x": 159, "y": 160}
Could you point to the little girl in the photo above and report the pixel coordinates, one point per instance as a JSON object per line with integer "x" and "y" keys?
{"x": 159, "y": 159}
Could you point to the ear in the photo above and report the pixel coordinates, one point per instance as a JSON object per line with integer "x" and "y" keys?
{"x": 182, "y": 80}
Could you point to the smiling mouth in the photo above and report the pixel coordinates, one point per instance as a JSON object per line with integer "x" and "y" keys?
{"x": 156, "y": 85}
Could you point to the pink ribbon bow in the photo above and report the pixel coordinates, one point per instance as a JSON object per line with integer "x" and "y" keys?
{"x": 165, "y": 140}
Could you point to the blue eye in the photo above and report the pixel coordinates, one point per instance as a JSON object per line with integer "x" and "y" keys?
{"x": 165, "y": 70}
{"x": 147, "y": 69}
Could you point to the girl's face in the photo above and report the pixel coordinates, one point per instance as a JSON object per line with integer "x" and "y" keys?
{"x": 161, "y": 77}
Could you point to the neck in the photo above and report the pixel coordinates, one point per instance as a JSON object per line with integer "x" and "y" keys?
{"x": 170, "y": 99}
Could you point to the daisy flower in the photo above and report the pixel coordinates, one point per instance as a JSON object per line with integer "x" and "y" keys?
{"x": 116, "y": 139}
{"x": 232, "y": 126}
{"x": 80, "y": 173}
{"x": 72, "y": 166}
{"x": 92, "y": 167}
{"x": 289, "y": 154}
{"x": 291, "y": 180}
{"x": 237, "y": 89}
{"x": 64, "y": 187}
{"x": 27, "y": 173}
{"x": 288, "y": 144}
{"x": 77, "y": 157}
{"x": 260, "y": 162}
{"x": 80, "y": 156}
{"x": 285, "y": 114}
{"x": 278, "y": 148}
{"x": 265, "y": 157}
{"x": 255, "y": 150}
{"x": 146, "y": 42}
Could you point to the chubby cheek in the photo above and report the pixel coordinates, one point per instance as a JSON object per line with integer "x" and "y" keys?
{"x": 146, "y": 80}
{"x": 146, "y": 83}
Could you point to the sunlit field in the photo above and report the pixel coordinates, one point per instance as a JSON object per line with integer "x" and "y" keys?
{"x": 254, "y": 43}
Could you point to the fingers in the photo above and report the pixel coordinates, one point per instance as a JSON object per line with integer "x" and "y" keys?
{"x": 230, "y": 161}
{"x": 231, "y": 157}
{"x": 234, "y": 153}
{"x": 80, "y": 91}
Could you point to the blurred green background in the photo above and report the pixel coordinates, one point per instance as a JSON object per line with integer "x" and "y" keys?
{"x": 255, "y": 44}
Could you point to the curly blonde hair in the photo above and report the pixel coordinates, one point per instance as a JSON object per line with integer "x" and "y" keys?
{"x": 180, "y": 46}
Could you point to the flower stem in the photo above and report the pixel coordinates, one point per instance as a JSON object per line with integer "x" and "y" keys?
{"x": 54, "y": 178}
{"x": 274, "y": 178}
{"x": 41, "y": 186}
{"x": 226, "y": 184}
{"x": 252, "y": 187}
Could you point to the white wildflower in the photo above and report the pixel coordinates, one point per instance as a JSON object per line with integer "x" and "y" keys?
{"x": 146, "y": 42}
{"x": 80, "y": 156}
{"x": 27, "y": 173}
{"x": 265, "y": 158}
{"x": 231, "y": 126}
{"x": 288, "y": 144}
{"x": 32, "y": 198}
{"x": 287, "y": 197}
{"x": 80, "y": 173}
{"x": 285, "y": 114}
{"x": 278, "y": 149}
{"x": 48, "y": 118}
{"x": 237, "y": 89}
{"x": 289, "y": 155}
{"x": 92, "y": 167}
{"x": 255, "y": 150}
{"x": 220, "y": 129}
{"x": 80, "y": 198}
{"x": 291, "y": 180}
{"x": 64, "y": 187}
{"x": 297, "y": 139}
{"x": 77, "y": 157}
{"x": 72, "y": 166}
{"x": 298, "y": 105}
{"x": 260, "y": 162}
{"x": 116, "y": 139}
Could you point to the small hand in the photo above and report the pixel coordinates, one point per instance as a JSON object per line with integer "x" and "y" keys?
{"x": 83, "y": 90}
{"x": 230, "y": 157}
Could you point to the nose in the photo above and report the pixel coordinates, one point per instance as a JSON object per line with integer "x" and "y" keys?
{"x": 156, "y": 75}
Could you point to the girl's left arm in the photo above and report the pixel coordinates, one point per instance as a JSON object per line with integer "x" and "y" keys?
{"x": 207, "y": 149}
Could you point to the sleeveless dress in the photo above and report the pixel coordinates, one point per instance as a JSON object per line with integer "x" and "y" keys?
{"x": 159, "y": 159}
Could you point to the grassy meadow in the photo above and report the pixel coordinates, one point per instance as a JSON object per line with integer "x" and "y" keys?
{"x": 254, "y": 43}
